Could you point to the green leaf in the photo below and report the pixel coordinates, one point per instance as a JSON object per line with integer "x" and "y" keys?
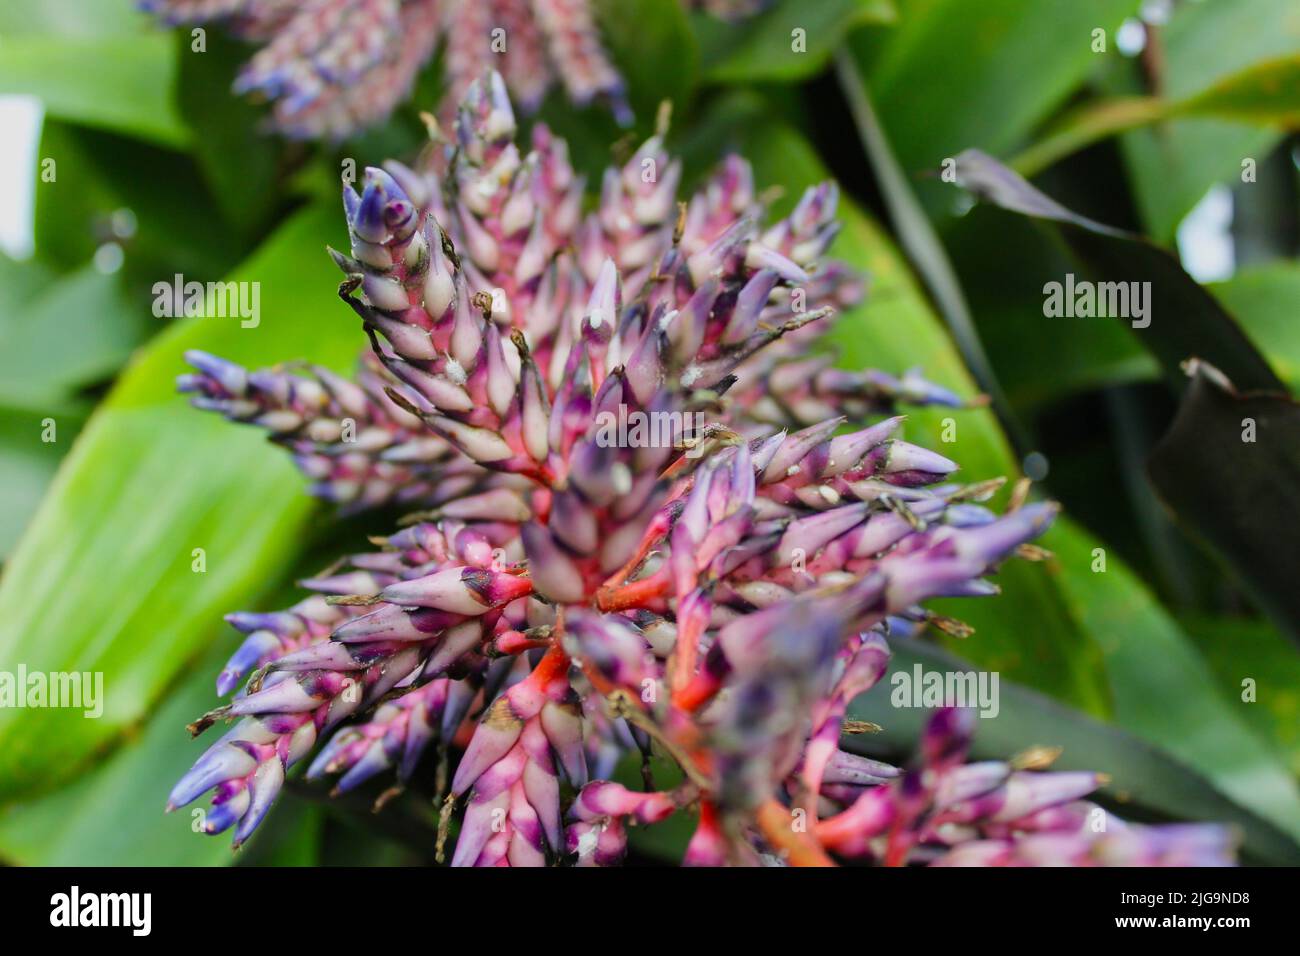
{"x": 1159, "y": 686}
{"x": 923, "y": 247}
{"x": 1162, "y": 689}
{"x": 29, "y": 450}
{"x": 1171, "y": 166}
{"x": 1003, "y": 263}
{"x": 1263, "y": 299}
{"x": 74, "y": 18}
{"x": 112, "y": 814}
{"x": 1143, "y": 778}
{"x": 764, "y": 47}
{"x": 1265, "y": 94}
{"x": 1087, "y": 125}
{"x": 1184, "y": 320}
{"x": 66, "y": 826}
{"x": 102, "y": 580}
{"x": 654, "y": 49}
{"x": 1028, "y": 631}
{"x": 1229, "y": 467}
{"x": 121, "y": 83}
{"x": 953, "y": 74}
{"x": 28, "y": 462}
{"x": 97, "y": 176}
{"x": 1241, "y": 649}
{"x": 20, "y": 281}
{"x": 238, "y": 159}
{"x": 651, "y": 42}
{"x": 87, "y": 308}
{"x": 1052, "y": 628}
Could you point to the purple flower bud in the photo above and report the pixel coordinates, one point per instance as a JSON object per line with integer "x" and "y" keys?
{"x": 470, "y": 591}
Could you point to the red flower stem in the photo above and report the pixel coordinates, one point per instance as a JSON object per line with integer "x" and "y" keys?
{"x": 698, "y": 691}
{"x": 801, "y": 849}
{"x": 653, "y": 535}
{"x": 636, "y": 594}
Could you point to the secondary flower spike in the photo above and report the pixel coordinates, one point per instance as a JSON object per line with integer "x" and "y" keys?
{"x": 333, "y": 67}
{"x": 651, "y": 523}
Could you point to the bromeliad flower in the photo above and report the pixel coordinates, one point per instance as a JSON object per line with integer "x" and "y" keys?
{"x": 946, "y": 812}
{"x": 335, "y": 66}
{"x": 713, "y": 580}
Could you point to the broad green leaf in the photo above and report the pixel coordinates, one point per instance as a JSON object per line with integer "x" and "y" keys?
{"x": 1162, "y": 689}
{"x": 1004, "y": 261}
{"x": 66, "y": 826}
{"x": 103, "y": 579}
{"x": 1088, "y": 125}
{"x": 1229, "y": 467}
{"x": 1182, "y": 319}
{"x": 922, "y": 245}
{"x": 1259, "y": 673}
{"x": 1263, "y": 299}
{"x": 121, "y": 83}
{"x": 28, "y": 461}
{"x": 1172, "y": 165}
{"x": 238, "y": 159}
{"x": 651, "y": 42}
{"x": 769, "y": 47}
{"x": 20, "y": 281}
{"x": 654, "y": 49}
{"x": 1143, "y": 778}
{"x": 87, "y": 308}
{"x": 1265, "y": 94}
{"x": 112, "y": 813}
{"x": 1154, "y": 673}
{"x": 73, "y": 18}
{"x": 100, "y": 178}
{"x": 953, "y": 74}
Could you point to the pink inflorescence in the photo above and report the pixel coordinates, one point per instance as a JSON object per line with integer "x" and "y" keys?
{"x": 645, "y": 527}
{"x": 332, "y": 67}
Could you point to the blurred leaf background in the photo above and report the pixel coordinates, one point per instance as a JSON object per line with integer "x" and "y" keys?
{"x": 1172, "y": 121}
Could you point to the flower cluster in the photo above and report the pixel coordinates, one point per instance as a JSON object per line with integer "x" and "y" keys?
{"x": 713, "y": 584}
{"x": 946, "y": 812}
{"x": 334, "y": 66}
